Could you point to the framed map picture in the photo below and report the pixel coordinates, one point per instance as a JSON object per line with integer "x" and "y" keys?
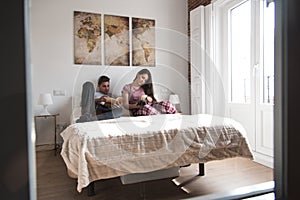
{"x": 87, "y": 38}
{"x": 116, "y": 40}
{"x": 143, "y": 42}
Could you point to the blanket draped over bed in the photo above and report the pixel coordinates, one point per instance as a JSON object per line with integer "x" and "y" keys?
{"x": 110, "y": 148}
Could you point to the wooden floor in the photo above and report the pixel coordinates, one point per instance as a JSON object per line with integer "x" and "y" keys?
{"x": 54, "y": 183}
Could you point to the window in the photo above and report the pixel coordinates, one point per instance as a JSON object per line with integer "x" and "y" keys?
{"x": 239, "y": 52}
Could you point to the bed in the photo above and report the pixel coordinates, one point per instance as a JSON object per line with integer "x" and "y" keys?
{"x": 135, "y": 145}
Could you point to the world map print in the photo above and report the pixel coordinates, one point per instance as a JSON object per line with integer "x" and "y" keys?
{"x": 143, "y": 42}
{"x": 116, "y": 40}
{"x": 87, "y": 38}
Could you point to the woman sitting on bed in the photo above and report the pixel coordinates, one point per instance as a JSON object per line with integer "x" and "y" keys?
{"x": 138, "y": 97}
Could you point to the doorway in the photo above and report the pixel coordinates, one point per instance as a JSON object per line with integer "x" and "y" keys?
{"x": 247, "y": 51}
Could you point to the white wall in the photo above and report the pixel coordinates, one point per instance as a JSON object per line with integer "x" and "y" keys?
{"x": 51, "y": 31}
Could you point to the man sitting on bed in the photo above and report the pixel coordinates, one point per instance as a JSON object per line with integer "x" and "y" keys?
{"x": 107, "y": 107}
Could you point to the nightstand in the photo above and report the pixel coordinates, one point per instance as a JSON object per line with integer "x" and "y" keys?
{"x": 54, "y": 116}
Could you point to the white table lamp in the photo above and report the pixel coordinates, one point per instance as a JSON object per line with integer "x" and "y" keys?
{"x": 45, "y": 99}
{"x": 174, "y": 99}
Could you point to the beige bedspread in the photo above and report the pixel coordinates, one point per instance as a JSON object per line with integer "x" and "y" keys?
{"x": 110, "y": 148}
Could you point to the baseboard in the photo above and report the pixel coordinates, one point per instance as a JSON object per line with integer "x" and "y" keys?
{"x": 265, "y": 160}
{"x": 47, "y": 147}
{"x": 44, "y": 147}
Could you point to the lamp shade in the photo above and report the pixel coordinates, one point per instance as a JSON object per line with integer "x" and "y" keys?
{"x": 45, "y": 99}
{"x": 174, "y": 99}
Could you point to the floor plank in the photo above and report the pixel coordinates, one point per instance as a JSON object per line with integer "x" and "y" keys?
{"x": 53, "y": 181}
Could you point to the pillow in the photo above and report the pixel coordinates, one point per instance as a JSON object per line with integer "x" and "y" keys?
{"x": 76, "y": 113}
{"x": 161, "y": 92}
{"x": 76, "y": 109}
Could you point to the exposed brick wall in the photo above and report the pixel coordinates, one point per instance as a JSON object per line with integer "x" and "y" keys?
{"x": 195, "y": 3}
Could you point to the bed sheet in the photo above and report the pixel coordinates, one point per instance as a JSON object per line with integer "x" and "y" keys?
{"x": 110, "y": 148}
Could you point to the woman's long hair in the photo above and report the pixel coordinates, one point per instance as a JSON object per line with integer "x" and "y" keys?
{"x": 148, "y": 86}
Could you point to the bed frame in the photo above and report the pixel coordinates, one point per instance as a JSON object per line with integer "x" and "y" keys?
{"x": 91, "y": 188}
